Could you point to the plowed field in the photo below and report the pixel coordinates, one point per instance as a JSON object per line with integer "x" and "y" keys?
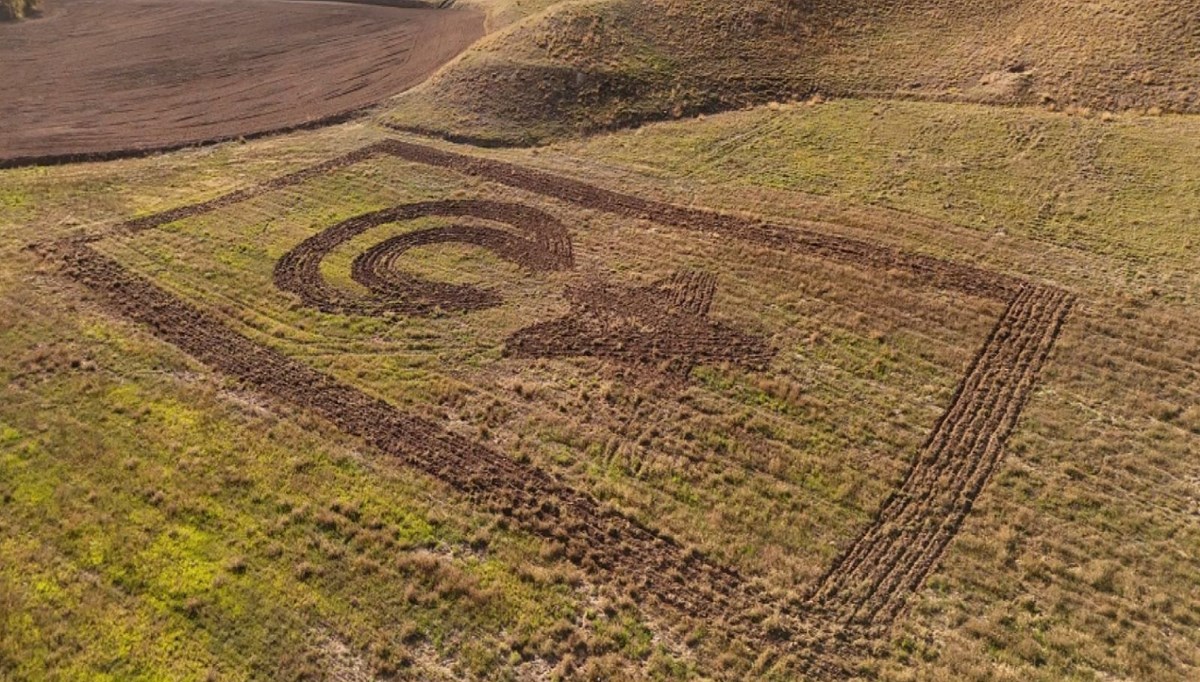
{"x": 108, "y": 78}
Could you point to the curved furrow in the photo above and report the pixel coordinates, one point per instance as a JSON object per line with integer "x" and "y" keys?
{"x": 864, "y": 590}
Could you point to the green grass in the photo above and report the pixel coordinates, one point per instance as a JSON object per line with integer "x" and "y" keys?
{"x": 159, "y": 523}
{"x": 1125, "y": 188}
{"x": 810, "y": 422}
{"x": 203, "y": 540}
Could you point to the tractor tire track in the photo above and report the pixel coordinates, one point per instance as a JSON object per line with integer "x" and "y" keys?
{"x": 691, "y": 292}
{"x": 662, "y": 329}
{"x": 596, "y": 537}
{"x": 866, "y": 588}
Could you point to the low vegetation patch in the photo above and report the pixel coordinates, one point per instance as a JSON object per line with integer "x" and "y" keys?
{"x": 583, "y": 67}
{"x": 842, "y": 387}
{"x": 11, "y": 10}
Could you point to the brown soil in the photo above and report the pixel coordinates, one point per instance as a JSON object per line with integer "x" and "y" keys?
{"x": 101, "y": 79}
{"x": 865, "y": 590}
{"x": 545, "y": 246}
{"x": 663, "y": 326}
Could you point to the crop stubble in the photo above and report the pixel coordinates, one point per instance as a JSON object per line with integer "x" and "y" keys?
{"x": 864, "y": 590}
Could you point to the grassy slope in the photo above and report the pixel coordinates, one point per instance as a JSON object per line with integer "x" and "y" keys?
{"x": 123, "y": 461}
{"x": 1081, "y": 561}
{"x": 600, "y": 64}
{"x": 785, "y": 444}
{"x": 158, "y": 525}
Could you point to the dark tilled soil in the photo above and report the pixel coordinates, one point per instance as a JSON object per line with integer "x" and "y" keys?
{"x": 546, "y": 246}
{"x": 847, "y": 612}
{"x": 107, "y": 78}
{"x": 662, "y": 326}
{"x": 867, "y": 585}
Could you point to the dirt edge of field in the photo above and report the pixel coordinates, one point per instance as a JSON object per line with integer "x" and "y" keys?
{"x": 867, "y": 587}
{"x": 149, "y": 103}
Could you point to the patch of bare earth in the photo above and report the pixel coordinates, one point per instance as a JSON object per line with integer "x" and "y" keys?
{"x": 106, "y": 78}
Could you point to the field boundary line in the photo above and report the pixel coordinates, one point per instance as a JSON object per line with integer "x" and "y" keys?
{"x": 855, "y": 601}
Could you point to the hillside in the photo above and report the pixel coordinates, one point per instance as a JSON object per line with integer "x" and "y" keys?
{"x": 583, "y": 66}
{"x": 175, "y": 506}
{"x": 881, "y": 362}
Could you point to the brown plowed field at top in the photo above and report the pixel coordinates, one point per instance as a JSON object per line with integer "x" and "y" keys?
{"x": 844, "y": 613}
{"x": 100, "y": 79}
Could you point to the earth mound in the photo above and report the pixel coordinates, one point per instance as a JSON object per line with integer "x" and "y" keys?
{"x": 615, "y": 63}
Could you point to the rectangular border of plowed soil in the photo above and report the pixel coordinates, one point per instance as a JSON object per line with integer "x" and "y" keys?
{"x": 865, "y": 590}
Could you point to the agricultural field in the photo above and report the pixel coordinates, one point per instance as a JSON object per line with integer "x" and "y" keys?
{"x": 152, "y": 75}
{"x": 857, "y": 386}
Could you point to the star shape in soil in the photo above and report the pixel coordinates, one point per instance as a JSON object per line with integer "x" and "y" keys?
{"x": 663, "y": 326}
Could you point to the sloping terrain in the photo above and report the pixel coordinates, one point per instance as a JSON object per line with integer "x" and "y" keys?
{"x": 611, "y": 63}
{"x": 104, "y": 78}
{"x": 233, "y": 445}
{"x": 897, "y": 385}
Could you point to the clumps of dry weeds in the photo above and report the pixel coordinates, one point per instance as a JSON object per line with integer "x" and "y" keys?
{"x": 11, "y": 10}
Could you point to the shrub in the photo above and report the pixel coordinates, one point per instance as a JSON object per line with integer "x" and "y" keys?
{"x": 18, "y": 9}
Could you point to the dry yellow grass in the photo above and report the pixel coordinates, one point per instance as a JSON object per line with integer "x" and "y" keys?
{"x": 19, "y": 9}
{"x": 613, "y": 63}
{"x": 147, "y": 501}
